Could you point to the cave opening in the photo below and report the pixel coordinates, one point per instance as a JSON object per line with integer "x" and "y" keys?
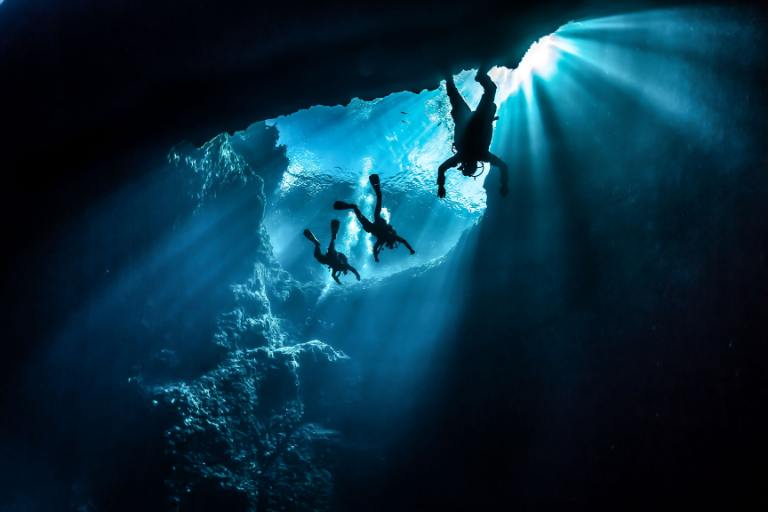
{"x": 571, "y": 333}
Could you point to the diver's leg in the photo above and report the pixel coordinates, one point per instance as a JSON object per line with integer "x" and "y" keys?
{"x": 405, "y": 243}
{"x": 503, "y": 171}
{"x": 486, "y": 107}
{"x": 376, "y": 184}
{"x": 485, "y": 81}
{"x": 334, "y": 231}
{"x": 341, "y": 205}
{"x": 367, "y": 225}
{"x": 318, "y": 254}
{"x": 460, "y": 111}
{"x": 486, "y": 110}
{"x": 312, "y": 238}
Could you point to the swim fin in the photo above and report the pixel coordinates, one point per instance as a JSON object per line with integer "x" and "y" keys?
{"x": 311, "y": 237}
{"x": 341, "y": 205}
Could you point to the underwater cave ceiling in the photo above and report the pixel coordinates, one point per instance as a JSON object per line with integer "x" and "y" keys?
{"x": 148, "y": 74}
{"x": 144, "y": 76}
{"x": 598, "y": 314}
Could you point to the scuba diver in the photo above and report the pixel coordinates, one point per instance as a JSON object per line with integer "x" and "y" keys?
{"x": 384, "y": 233}
{"x": 335, "y": 260}
{"x": 473, "y": 133}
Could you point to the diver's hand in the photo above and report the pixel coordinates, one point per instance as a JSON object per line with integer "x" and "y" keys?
{"x": 412, "y": 252}
{"x": 441, "y": 191}
{"x": 504, "y": 190}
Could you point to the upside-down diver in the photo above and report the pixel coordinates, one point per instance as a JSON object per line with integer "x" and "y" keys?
{"x": 473, "y": 133}
{"x": 384, "y": 233}
{"x": 336, "y": 261}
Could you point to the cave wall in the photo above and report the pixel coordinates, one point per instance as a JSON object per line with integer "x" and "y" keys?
{"x": 652, "y": 326}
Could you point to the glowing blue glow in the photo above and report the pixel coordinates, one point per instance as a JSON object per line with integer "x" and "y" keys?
{"x": 600, "y": 124}
{"x": 403, "y": 137}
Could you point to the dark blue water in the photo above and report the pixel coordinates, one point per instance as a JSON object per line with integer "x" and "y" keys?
{"x": 587, "y": 338}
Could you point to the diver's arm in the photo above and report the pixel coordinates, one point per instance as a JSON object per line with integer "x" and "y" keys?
{"x": 503, "y": 170}
{"x": 335, "y": 276}
{"x": 353, "y": 270}
{"x": 451, "y": 162}
{"x": 405, "y": 243}
{"x": 376, "y": 250}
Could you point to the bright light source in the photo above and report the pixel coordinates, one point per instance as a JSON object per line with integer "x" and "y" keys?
{"x": 540, "y": 58}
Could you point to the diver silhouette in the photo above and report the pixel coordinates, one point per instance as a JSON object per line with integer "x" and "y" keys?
{"x": 335, "y": 260}
{"x": 384, "y": 233}
{"x": 473, "y": 133}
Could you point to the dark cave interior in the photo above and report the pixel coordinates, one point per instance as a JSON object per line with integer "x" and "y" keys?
{"x": 596, "y": 339}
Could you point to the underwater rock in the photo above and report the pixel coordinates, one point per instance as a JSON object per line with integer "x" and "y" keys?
{"x": 240, "y": 434}
{"x": 242, "y": 428}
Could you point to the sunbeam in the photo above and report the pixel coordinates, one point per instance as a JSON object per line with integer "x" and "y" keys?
{"x": 551, "y": 340}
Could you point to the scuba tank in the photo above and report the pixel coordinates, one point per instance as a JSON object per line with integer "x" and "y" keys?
{"x": 389, "y": 237}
